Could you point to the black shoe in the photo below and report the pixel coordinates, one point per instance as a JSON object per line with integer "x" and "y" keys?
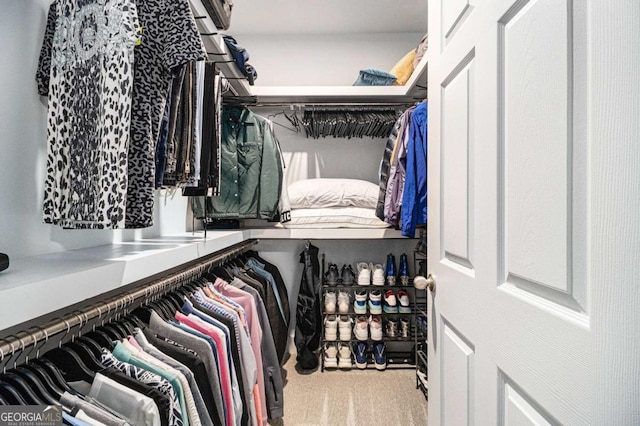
{"x": 348, "y": 276}
{"x": 331, "y": 276}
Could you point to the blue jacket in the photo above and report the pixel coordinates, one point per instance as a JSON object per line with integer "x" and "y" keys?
{"x": 414, "y": 197}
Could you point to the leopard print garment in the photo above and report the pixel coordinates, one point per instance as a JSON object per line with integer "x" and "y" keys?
{"x": 89, "y": 109}
{"x": 169, "y": 38}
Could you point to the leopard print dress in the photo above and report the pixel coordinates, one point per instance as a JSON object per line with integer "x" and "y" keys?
{"x": 89, "y": 112}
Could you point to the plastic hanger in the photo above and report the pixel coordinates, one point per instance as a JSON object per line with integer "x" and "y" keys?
{"x": 45, "y": 379}
{"x": 85, "y": 354}
{"x": 70, "y": 364}
{"x": 36, "y": 385}
{"x": 91, "y": 344}
{"x": 100, "y": 338}
{"x": 111, "y": 332}
{"x": 143, "y": 314}
{"x": 54, "y": 374}
{"x": 22, "y": 387}
{"x": 11, "y": 395}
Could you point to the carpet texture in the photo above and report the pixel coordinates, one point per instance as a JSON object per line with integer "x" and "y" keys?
{"x": 351, "y": 398}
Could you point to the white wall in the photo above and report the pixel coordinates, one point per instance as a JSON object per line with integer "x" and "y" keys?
{"x": 23, "y": 148}
{"x": 356, "y": 158}
{"x": 323, "y": 59}
{"x": 317, "y": 60}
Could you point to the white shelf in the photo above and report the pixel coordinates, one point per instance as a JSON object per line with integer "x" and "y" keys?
{"x": 347, "y": 94}
{"x": 38, "y": 285}
{"x": 325, "y": 234}
{"x": 215, "y": 44}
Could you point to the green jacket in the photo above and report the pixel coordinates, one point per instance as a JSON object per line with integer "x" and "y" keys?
{"x": 251, "y": 170}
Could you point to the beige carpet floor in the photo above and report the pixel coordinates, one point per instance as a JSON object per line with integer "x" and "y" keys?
{"x": 352, "y": 398}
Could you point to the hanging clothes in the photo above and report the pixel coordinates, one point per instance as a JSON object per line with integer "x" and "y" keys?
{"x": 251, "y": 170}
{"x": 385, "y": 167}
{"x": 203, "y": 354}
{"x": 209, "y": 165}
{"x": 89, "y": 111}
{"x": 414, "y": 197}
{"x": 308, "y": 316}
{"x": 405, "y": 187}
{"x": 170, "y": 38}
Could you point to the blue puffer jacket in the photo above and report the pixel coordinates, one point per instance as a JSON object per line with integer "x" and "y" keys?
{"x": 414, "y": 197}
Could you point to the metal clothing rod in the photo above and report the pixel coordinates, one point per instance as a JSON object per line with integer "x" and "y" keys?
{"x": 151, "y": 291}
{"x": 338, "y": 104}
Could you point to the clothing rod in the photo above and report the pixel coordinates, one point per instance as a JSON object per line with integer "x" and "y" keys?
{"x": 26, "y": 339}
{"x": 340, "y": 104}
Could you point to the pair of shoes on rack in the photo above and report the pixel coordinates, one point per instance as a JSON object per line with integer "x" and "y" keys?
{"x": 360, "y": 302}
{"x": 379, "y": 355}
{"x": 391, "y": 328}
{"x": 346, "y": 277}
{"x": 370, "y": 274}
{"x": 365, "y": 327}
{"x": 402, "y": 273}
{"x": 391, "y": 302}
{"x": 342, "y": 301}
{"x": 337, "y": 356}
{"x": 337, "y": 326}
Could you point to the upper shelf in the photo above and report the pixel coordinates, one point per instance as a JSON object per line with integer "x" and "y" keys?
{"x": 414, "y": 90}
{"x": 217, "y": 49}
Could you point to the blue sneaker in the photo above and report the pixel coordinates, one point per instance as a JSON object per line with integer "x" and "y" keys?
{"x": 379, "y": 356}
{"x": 403, "y": 272}
{"x": 360, "y": 302}
{"x": 390, "y": 270}
{"x": 360, "y": 351}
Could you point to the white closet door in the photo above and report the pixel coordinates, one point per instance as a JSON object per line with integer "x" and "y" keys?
{"x": 526, "y": 328}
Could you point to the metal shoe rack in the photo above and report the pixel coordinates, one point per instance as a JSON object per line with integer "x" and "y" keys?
{"x": 422, "y": 325}
{"x": 400, "y": 351}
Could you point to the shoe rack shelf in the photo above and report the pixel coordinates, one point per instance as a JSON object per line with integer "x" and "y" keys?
{"x": 420, "y": 264}
{"x": 400, "y": 351}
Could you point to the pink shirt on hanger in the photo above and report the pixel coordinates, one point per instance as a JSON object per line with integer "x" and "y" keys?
{"x": 225, "y": 375}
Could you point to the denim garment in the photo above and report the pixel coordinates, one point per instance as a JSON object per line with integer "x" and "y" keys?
{"x": 372, "y": 77}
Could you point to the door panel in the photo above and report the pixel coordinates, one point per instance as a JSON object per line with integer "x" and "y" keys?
{"x": 518, "y": 409}
{"x": 456, "y": 167}
{"x": 508, "y": 213}
{"x": 454, "y": 12}
{"x": 535, "y": 64}
{"x": 457, "y": 372}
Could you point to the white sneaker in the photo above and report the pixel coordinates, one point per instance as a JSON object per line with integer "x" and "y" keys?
{"x": 330, "y": 355}
{"x": 330, "y": 302}
{"x": 378, "y": 275}
{"x": 405, "y": 302}
{"x": 344, "y": 356}
{"x": 361, "y": 329}
{"x": 390, "y": 303}
{"x": 375, "y": 327}
{"x": 330, "y": 327}
{"x": 364, "y": 274}
{"x": 344, "y": 327}
{"x": 375, "y": 302}
{"x": 343, "y": 302}
{"x": 360, "y": 304}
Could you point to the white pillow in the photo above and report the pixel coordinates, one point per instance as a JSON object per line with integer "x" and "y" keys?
{"x": 335, "y": 217}
{"x": 324, "y": 192}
